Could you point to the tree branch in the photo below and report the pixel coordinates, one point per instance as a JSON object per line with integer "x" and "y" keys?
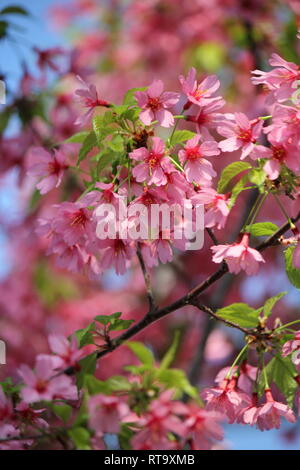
{"x": 147, "y": 279}
{"x": 189, "y": 299}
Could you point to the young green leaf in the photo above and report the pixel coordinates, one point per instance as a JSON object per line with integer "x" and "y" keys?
{"x": 241, "y": 314}
{"x": 292, "y": 273}
{"x": 270, "y": 303}
{"x": 88, "y": 144}
{"x": 81, "y": 438}
{"x": 77, "y": 138}
{"x": 181, "y": 136}
{"x": 229, "y": 172}
{"x": 281, "y": 371}
{"x": 144, "y": 354}
{"x": 171, "y": 353}
{"x": 262, "y": 229}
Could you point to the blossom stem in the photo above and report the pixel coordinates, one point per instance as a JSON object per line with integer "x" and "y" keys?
{"x": 265, "y": 374}
{"x": 239, "y": 356}
{"x": 176, "y": 164}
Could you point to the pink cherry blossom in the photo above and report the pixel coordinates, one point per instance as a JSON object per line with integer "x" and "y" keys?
{"x": 226, "y": 399}
{"x": 203, "y": 428}
{"x": 155, "y": 104}
{"x": 199, "y": 94}
{"x": 207, "y": 117}
{"x": 155, "y": 163}
{"x": 239, "y": 256}
{"x": 281, "y": 81}
{"x": 48, "y": 167}
{"x": 73, "y": 222}
{"x": 278, "y": 154}
{"x": 246, "y": 378}
{"x": 269, "y": 415}
{"x": 90, "y": 99}
{"x": 161, "y": 418}
{"x": 216, "y": 207}
{"x": 46, "y": 57}
{"x": 6, "y": 407}
{"x": 292, "y": 347}
{"x": 42, "y": 385}
{"x": 196, "y": 167}
{"x": 240, "y": 133}
{"x": 66, "y": 351}
{"x": 106, "y": 413}
{"x": 116, "y": 253}
{"x": 30, "y": 415}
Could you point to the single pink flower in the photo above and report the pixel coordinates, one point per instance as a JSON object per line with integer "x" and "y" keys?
{"x": 162, "y": 417}
{"x": 269, "y": 415}
{"x": 106, "y": 414}
{"x": 90, "y": 99}
{"x": 42, "y": 385}
{"x": 278, "y": 154}
{"x": 30, "y": 415}
{"x": 48, "y": 167}
{"x": 196, "y": 167}
{"x": 73, "y": 222}
{"x": 155, "y": 163}
{"x": 66, "y": 351}
{"x": 226, "y": 399}
{"x": 281, "y": 81}
{"x": 239, "y": 256}
{"x": 240, "y": 133}
{"x": 199, "y": 94}
{"x": 207, "y": 116}
{"x": 216, "y": 207}
{"x": 155, "y": 104}
{"x": 203, "y": 428}
{"x": 116, "y": 253}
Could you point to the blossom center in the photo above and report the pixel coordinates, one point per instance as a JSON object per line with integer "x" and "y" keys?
{"x": 79, "y": 218}
{"x": 193, "y": 153}
{"x": 153, "y": 159}
{"x": 246, "y": 135}
{"x": 154, "y": 103}
{"x": 278, "y": 153}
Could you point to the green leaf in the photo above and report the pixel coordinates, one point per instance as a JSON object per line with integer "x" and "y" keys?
{"x": 81, "y": 438}
{"x": 119, "y": 383}
{"x": 177, "y": 379}
{"x": 144, "y": 354}
{"x": 262, "y": 229}
{"x": 77, "y": 138}
{"x": 87, "y": 366}
{"x": 106, "y": 319}
{"x": 229, "y": 172}
{"x": 89, "y": 142}
{"x": 271, "y": 302}
{"x": 95, "y": 386}
{"x": 171, "y": 353}
{"x": 63, "y": 411}
{"x": 181, "y": 136}
{"x": 257, "y": 176}
{"x": 281, "y": 371}
{"x": 103, "y": 160}
{"x": 241, "y": 314}
{"x": 119, "y": 325}
{"x": 117, "y": 144}
{"x": 4, "y": 119}
{"x": 129, "y": 95}
{"x": 292, "y": 273}
{"x": 237, "y": 189}
{"x": 85, "y": 336}
{"x": 14, "y": 9}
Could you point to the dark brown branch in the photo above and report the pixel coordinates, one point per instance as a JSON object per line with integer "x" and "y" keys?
{"x": 147, "y": 279}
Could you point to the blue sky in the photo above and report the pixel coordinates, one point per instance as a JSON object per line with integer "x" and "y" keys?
{"x": 39, "y": 32}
